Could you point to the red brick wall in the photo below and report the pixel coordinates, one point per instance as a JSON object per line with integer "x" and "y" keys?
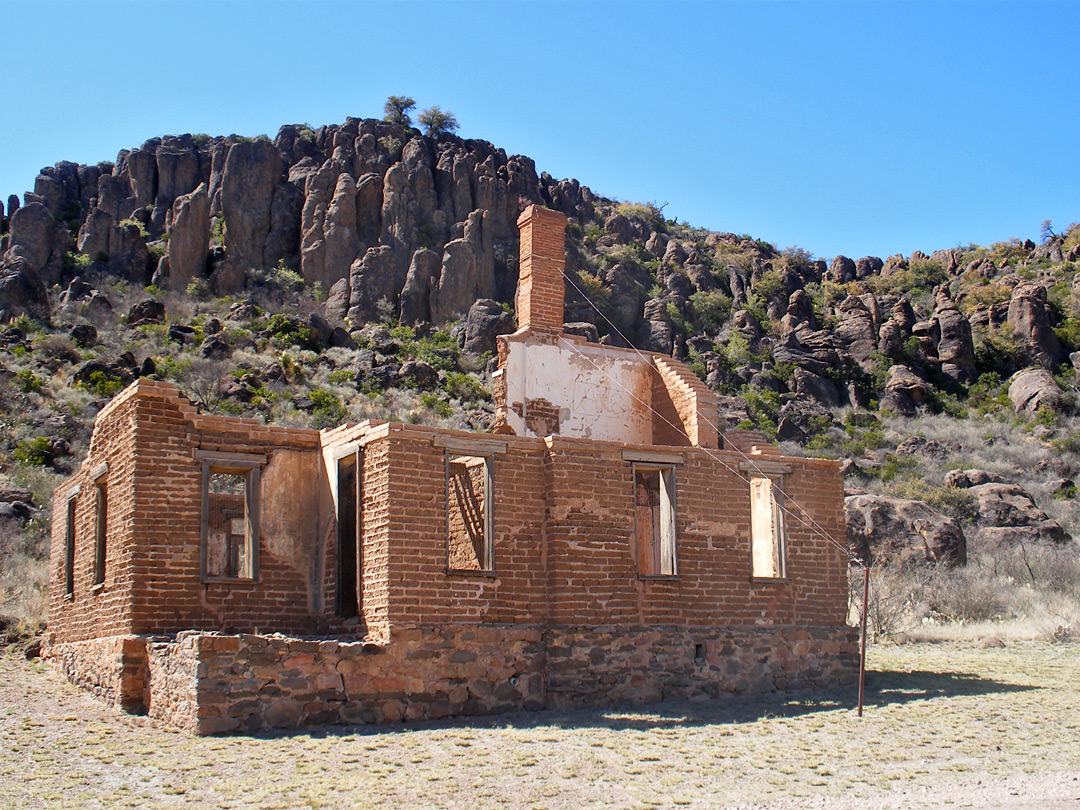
{"x": 542, "y": 252}
{"x": 104, "y": 610}
{"x": 571, "y": 561}
{"x": 563, "y": 535}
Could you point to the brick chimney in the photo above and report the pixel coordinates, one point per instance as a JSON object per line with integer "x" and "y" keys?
{"x": 542, "y": 258}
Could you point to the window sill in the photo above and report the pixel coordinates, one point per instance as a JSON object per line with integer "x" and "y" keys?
{"x": 464, "y": 572}
{"x": 660, "y": 577}
{"x": 95, "y": 589}
{"x": 229, "y": 581}
{"x": 770, "y": 580}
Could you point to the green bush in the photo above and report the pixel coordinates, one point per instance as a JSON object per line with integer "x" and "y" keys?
{"x": 328, "y": 411}
{"x": 285, "y": 333}
{"x": 145, "y": 234}
{"x": 36, "y": 452}
{"x": 28, "y": 382}
{"x": 713, "y": 309}
{"x": 436, "y": 404}
{"x": 102, "y": 384}
{"x": 465, "y": 387}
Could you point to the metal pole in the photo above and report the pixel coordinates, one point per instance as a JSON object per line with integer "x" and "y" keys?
{"x": 862, "y": 646}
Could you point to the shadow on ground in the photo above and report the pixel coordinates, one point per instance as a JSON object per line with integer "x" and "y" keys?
{"x": 882, "y": 689}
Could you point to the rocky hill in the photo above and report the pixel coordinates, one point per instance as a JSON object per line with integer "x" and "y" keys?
{"x": 364, "y": 270}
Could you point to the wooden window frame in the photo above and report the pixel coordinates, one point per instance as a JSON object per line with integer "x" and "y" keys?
{"x": 99, "y": 475}
{"x": 778, "y": 541}
{"x": 488, "y": 564}
{"x": 248, "y": 466}
{"x": 69, "y": 543}
{"x": 669, "y": 517}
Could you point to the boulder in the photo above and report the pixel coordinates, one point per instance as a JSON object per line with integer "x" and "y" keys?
{"x": 372, "y": 279}
{"x": 582, "y": 329}
{"x": 423, "y": 273}
{"x": 841, "y": 270}
{"x": 973, "y": 478}
{"x": 486, "y": 321}
{"x": 129, "y": 257}
{"x": 909, "y": 533}
{"x": 801, "y": 419}
{"x": 337, "y": 301}
{"x": 904, "y": 390}
{"x": 341, "y": 244}
{"x": 22, "y": 293}
{"x": 627, "y": 283}
{"x": 867, "y": 266}
{"x": 1007, "y": 513}
{"x": 891, "y": 341}
{"x": 939, "y": 449}
{"x": 1033, "y": 388}
{"x": 418, "y": 374}
{"x": 32, "y": 243}
{"x": 815, "y": 387}
{"x": 856, "y": 333}
{"x": 468, "y": 271}
{"x": 1031, "y": 319}
{"x": 144, "y": 312}
{"x": 189, "y": 238}
{"x": 955, "y": 349}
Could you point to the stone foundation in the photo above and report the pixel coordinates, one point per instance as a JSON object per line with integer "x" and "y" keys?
{"x": 113, "y": 668}
{"x": 204, "y": 683}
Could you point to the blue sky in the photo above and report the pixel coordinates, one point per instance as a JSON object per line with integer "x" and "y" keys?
{"x": 863, "y": 129}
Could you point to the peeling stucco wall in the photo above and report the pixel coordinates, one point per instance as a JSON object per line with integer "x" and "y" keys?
{"x": 600, "y": 393}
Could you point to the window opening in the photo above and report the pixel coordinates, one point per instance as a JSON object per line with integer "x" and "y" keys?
{"x": 348, "y": 537}
{"x": 101, "y": 525}
{"x": 230, "y": 520}
{"x": 766, "y": 528}
{"x": 468, "y": 513}
{"x": 654, "y": 512}
{"x": 69, "y": 548}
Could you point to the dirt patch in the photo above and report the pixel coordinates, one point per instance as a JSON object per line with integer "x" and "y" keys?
{"x": 946, "y": 724}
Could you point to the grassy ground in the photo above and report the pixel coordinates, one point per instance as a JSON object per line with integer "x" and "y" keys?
{"x": 946, "y": 725}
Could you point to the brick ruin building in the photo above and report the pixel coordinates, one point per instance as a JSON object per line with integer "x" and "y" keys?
{"x": 603, "y": 546}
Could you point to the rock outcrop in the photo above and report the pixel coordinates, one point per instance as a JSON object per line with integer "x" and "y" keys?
{"x": 907, "y": 532}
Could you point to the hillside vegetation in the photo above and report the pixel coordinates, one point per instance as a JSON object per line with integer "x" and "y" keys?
{"x": 364, "y": 270}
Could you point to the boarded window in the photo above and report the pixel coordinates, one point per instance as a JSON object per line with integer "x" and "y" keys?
{"x": 468, "y": 513}
{"x": 69, "y": 548}
{"x": 230, "y": 524}
{"x": 654, "y": 521}
{"x": 101, "y": 528}
{"x": 766, "y": 528}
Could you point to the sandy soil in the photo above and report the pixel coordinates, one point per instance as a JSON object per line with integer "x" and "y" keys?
{"x": 946, "y": 725}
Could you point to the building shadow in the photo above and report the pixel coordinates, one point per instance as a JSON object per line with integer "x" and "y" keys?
{"x": 882, "y": 689}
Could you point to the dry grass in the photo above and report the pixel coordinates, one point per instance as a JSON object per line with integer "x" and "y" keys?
{"x": 945, "y": 723}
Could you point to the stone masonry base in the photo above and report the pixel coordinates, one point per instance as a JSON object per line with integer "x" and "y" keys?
{"x": 205, "y": 683}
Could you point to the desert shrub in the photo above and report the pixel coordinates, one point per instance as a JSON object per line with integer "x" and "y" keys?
{"x": 28, "y": 382}
{"x": 998, "y": 350}
{"x": 897, "y": 598}
{"x": 35, "y": 452}
{"x": 145, "y": 234}
{"x": 328, "y": 411}
{"x": 284, "y": 333}
{"x": 762, "y": 408}
{"x": 648, "y": 213}
{"x": 464, "y": 387}
{"x": 437, "y": 405}
{"x": 286, "y": 278}
{"x": 103, "y": 384}
{"x": 966, "y": 594}
{"x": 713, "y": 308}
{"x": 198, "y": 288}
